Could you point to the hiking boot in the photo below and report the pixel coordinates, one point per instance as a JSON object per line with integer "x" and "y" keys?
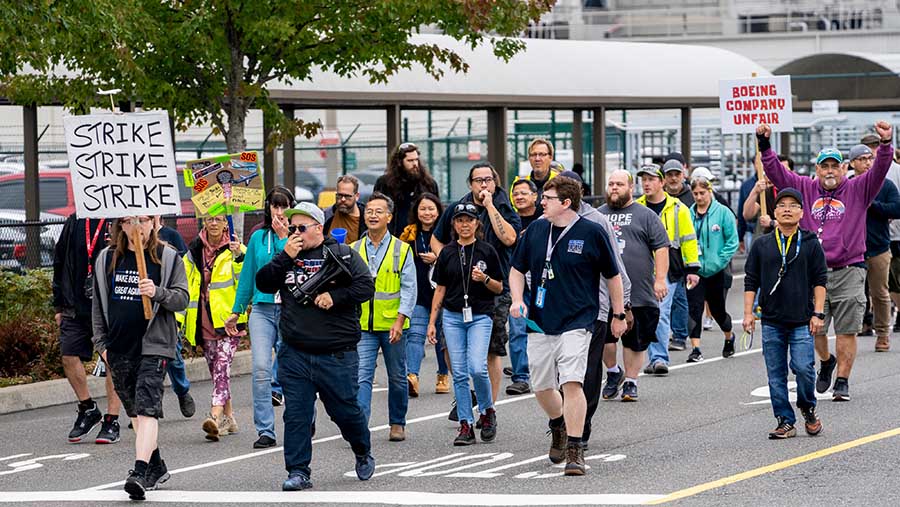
{"x": 296, "y": 481}
{"x": 442, "y": 384}
{"x": 277, "y": 401}
{"x": 517, "y": 388}
{"x": 613, "y": 384}
{"x": 677, "y": 345}
{"x": 782, "y": 431}
{"x": 841, "y": 390}
{"x": 882, "y": 344}
{"x": 86, "y": 421}
{"x": 813, "y": 423}
{"x": 695, "y": 356}
{"x": 728, "y": 348}
{"x": 229, "y": 426}
{"x": 453, "y": 415}
{"x": 365, "y": 467}
{"x": 213, "y": 427}
{"x": 558, "y": 440}
{"x": 156, "y": 475}
{"x": 489, "y": 425}
{"x": 466, "y": 435}
{"x": 136, "y": 485}
{"x": 186, "y": 404}
{"x": 109, "y": 431}
{"x": 398, "y": 433}
{"x": 823, "y": 377}
{"x": 508, "y": 371}
{"x": 574, "y": 460}
{"x": 263, "y": 442}
{"x": 412, "y": 381}
{"x": 629, "y": 391}
{"x": 660, "y": 368}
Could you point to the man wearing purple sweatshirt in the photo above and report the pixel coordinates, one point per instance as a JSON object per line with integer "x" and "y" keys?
{"x": 835, "y": 209}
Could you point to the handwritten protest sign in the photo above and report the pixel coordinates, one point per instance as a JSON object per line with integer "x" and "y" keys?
{"x": 225, "y": 184}
{"x": 745, "y": 103}
{"x": 122, "y": 164}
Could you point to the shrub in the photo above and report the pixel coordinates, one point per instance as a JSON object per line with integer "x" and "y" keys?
{"x": 28, "y": 331}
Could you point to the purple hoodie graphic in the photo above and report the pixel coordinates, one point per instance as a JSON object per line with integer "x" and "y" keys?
{"x": 840, "y": 212}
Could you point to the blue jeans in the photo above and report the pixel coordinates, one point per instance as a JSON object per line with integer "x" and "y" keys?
{"x": 659, "y": 350}
{"x": 468, "y": 343}
{"x": 415, "y": 341}
{"x": 180, "y": 383}
{"x": 395, "y": 361}
{"x": 518, "y": 346}
{"x": 333, "y": 377}
{"x": 680, "y": 314}
{"x": 776, "y": 341}
{"x": 264, "y": 337}
{"x": 748, "y": 240}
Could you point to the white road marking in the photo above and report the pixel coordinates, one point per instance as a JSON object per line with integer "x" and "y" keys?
{"x": 763, "y": 392}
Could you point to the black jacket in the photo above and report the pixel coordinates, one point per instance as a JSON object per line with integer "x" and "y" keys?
{"x": 329, "y": 217}
{"x": 70, "y": 266}
{"x": 308, "y": 327}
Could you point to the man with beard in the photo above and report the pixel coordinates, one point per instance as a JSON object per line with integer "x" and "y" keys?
{"x": 405, "y": 179}
{"x": 347, "y": 212}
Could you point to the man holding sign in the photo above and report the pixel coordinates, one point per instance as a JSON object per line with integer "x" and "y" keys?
{"x": 835, "y": 209}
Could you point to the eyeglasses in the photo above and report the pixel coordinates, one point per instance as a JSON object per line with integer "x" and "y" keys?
{"x": 538, "y": 154}
{"x": 216, "y": 220}
{"x": 784, "y": 205}
{"x": 343, "y": 197}
{"x": 483, "y": 181}
{"x": 375, "y": 212}
{"x": 407, "y": 147}
{"x": 523, "y": 193}
{"x": 546, "y": 197}
{"x": 142, "y": 220}
{"x": 301, "y": 228}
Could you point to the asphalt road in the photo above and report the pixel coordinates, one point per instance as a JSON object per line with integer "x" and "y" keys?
{"x": 696, "y": 437}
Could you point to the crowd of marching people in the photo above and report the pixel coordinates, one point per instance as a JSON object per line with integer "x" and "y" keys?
{"x": 531, "y": 271}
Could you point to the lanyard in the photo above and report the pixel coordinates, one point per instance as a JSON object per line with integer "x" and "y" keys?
{"x": 466, "y": 273}
{"x": 91, "y": 243}
{"x": 783, "y": 251}
{"x": 826, "y": 201}
{"x": 547, "y": 272}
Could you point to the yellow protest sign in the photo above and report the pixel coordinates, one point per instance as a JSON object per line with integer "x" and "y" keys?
{"x": 208, "y": 198}
{"x": 247, "y": 197}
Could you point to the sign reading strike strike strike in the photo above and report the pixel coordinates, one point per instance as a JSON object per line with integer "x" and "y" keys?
{"x": 122, "y": 165}
{"x": 745, "y": 103}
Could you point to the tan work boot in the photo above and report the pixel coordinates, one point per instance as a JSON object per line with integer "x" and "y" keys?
{"x": 413, "y": 381}
{"x": 398, "y": 433}
{"x": 882, "y": 344}
{"x": 229, "y": 424}
{"x": 213, "y": 427}
{"x": 442, "y": 386}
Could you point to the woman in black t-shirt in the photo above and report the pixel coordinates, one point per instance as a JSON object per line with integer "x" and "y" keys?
{"x": 467, "y": 275}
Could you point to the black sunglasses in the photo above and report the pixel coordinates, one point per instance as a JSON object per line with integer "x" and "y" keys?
{"x": 300, "y": 228}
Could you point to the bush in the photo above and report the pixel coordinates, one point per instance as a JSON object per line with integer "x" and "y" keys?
{"x": 28, "y": 332}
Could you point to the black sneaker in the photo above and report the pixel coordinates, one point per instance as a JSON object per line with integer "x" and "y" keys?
{"x": 517, "y": 388}
{"x": 109, "y": 431}
{"x": 613, "y": 384}
{"x": 263, "y": 442}
{"x": 629, "y": 391}
{"x": 813, "y": 423}
{"x": 466, "y": 435}
{"x": 136, "y": 485}
{"x": 728, "y": 348}
{"x": 782, "y": 431}
{"x": 695, "y": 356}
{"x": 823, "y": 377}
{"x": 277, "y": 401}
{"x": 677, "y": 345}
{"x": 85, "y": 423}
{"x": 841, "y": 391}
{"x": 453, "y": 416}
{"x": 867, "y": 332}
{"x": 186, "y": 404}
{"x": 489, "y": 425}
{"x": 574, "y": 460}
{"x": 365, "y": 467}
{"x": 156, "y": 475}
{"x": 660, "y": 368}
{"x": 558, "y": 441}
{"x": 507, "y": 371}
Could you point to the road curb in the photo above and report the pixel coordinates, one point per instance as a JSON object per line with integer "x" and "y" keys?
{"x": 58, "y": 392}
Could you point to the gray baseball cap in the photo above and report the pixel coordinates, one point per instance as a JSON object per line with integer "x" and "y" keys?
{"x": 306, "y": 208}
{"x": 858, "y": 151}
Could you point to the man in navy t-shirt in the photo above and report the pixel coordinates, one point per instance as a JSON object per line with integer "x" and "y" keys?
{"x": 566, "y": 257}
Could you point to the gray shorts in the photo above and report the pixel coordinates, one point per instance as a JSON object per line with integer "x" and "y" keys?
{"x": 845, "y": 300}
{"x": 554, "y": 360}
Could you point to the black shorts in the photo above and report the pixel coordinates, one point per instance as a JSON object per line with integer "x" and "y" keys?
{"x": 642, "y": 333}
{"x": 500, "y": 317}
{"x": 75, "y": 335}
{"x": 139, "y": 383}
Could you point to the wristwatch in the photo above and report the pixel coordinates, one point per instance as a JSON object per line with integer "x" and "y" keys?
{"x": 620, "y": 316}
{"x": 819, "y": 315}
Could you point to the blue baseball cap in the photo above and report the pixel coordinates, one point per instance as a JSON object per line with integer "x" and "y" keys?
{"x": 827, "y": 153}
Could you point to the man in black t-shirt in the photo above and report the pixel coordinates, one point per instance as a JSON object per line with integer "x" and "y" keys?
{"x": 566, "y": 257}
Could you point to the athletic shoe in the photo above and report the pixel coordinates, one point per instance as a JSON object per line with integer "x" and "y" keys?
{"x": 614, "y": 382}
{"x": 558, "y": 440}
{"x": 660, "y": 368}
{"x": 574, "y": 460}
{"x": 489, "y": 425}
{"x": 296, "y": 481}
{"x": 728, "y": 348}
{"x": 841, "y": 391}
{"x": 649, "y": 369}
{"x": 508, "y": 371}
{"x": 86, "y": 421}
{"x": 695, "y": 356}
{"x": 277, "y": 401}
{"x": 897, "y": 326}
{"x": 466, "y": 435}
{"x": 136, "y": 485}
{"x": 517, "y": 388}
{"x": 782, "y": 431}
{"x": 412, "y": 381}
{"x": 156, "y": 475}
{"x": 823, "y": 377}
{"x": 629, "y": 391}
{"x": 707, "y": 323}
{"x": 186, "y": 404}
{"x": 866, "y": 332}
{"x": 813, "y": 423}
{"x": 453, "y": 415}
{"x": 442, "y": 384}
{"x": 109, "y": 431}
{"x": 677, "y": 345}
{"x": 263, "y": 442}
{"x": 365, "y": 467}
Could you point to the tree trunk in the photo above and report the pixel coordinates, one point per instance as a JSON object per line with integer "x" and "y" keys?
{"x": 236, "y": 143}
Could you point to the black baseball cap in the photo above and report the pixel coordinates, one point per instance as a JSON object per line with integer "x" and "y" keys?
{"x": 789, "y": 192}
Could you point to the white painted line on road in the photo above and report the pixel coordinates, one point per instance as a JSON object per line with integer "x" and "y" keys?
{"x": 321, "y": 497}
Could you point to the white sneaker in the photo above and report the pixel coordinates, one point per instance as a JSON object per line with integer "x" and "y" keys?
{"x": 707, "y": 323}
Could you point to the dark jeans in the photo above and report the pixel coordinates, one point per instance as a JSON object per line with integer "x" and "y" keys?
{"x": 334, "y": 377}
{"x": 680, "y": 317}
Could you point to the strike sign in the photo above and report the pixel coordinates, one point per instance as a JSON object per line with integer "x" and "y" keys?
{"x": 745, "y": 103}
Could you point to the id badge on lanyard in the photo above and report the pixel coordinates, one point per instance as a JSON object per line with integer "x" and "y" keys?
{"x": 467, "y": 314}
{"x": 539, "y": 297}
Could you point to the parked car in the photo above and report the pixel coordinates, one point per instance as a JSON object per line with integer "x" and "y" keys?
{"x": 13, "y": 244}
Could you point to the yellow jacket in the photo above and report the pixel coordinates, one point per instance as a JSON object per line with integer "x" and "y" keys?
{"x": 226, "y": 272}
{"x": 676, "y": 218}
